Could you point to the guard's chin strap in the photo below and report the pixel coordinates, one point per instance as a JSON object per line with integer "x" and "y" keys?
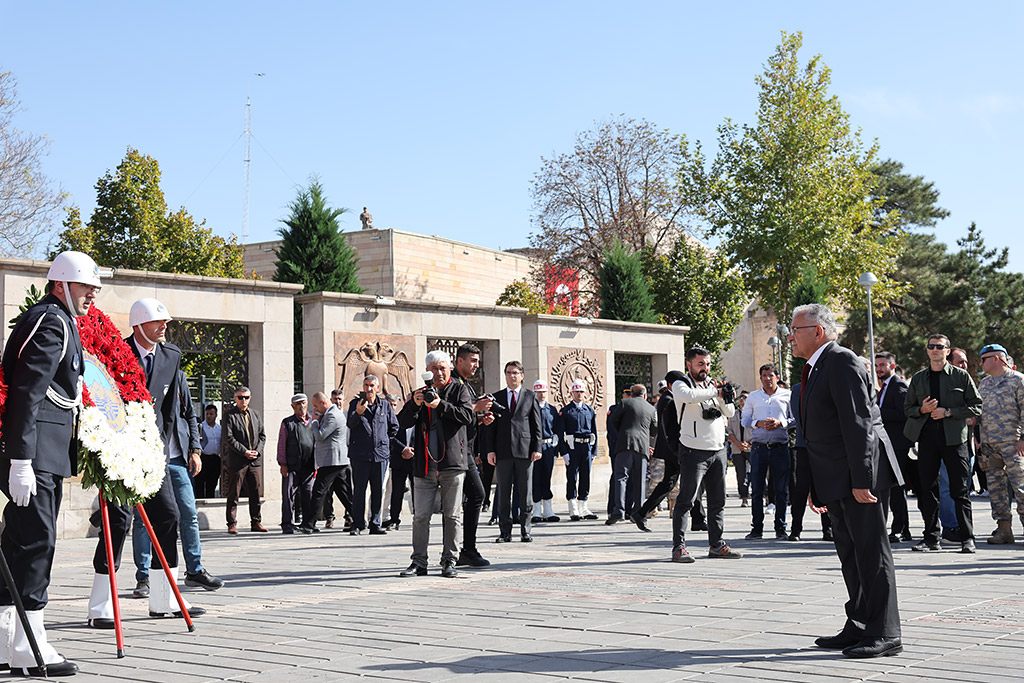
{"x": 142, "y": 334}
{"x": 72, "y": 309}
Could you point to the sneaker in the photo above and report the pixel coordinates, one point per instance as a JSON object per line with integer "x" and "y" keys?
{"x": 679, "y": 554}
{"x": 753, "y": 535}
{"x": 925, "y": 546}
{"x": 471, "y": 558}
{"x": 770, "y": 509}
{"x": 141, "y": 589}
{"x": 413, "y": 570}
{"x": 203, "y": 579}
{"x": 723, "y": 550}
{"x": 745, "y": 503}
{"x": 968, "y": 546}
{"x": 952, "y": 535}
{"x": 781, "y": 535}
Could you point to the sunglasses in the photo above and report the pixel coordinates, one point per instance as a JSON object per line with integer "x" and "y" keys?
{"x": 932, "y": 347}
{"x": 242, "y": 398}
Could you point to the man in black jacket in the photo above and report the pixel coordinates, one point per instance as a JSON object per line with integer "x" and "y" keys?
{"x": 467, "y": 362}
{"x": 440, "y": 413}
{"x": 666, "y": 447}
{"x": 298, "y": 469}
{"x": 512, "y": 443}
{"x": 43, "y": 366}
{"x": 242, "y": 441}
{"x": 891, "y": 396}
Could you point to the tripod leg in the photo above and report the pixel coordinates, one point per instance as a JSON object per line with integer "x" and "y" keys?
{"x": 167, "y": 570}
{"x": 118, "y": 632}
{"x": 5, "y": 569}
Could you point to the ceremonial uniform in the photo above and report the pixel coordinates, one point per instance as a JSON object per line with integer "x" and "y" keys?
{"x": 550, "y": 423}
{"x": 579, "y": 445}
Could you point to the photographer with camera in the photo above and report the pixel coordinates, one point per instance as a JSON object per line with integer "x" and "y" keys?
{"x": 704, "y": 407}
{"x": 441, "y": 411}
{"x": 767, "y": 414}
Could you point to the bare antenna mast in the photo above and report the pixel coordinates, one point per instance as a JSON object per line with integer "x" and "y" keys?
{"x": 248, "y": 162}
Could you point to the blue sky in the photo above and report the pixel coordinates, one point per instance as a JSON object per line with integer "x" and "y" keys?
{"x": 436, "y": 115}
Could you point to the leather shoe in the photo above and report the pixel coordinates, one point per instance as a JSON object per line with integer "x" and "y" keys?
{"x": 699, "y": 526}
{"x": 448, "y": 570}
{"x": 203, "y": 579}
{"x": 232, "y": 529}
{"x": 614, "y": 519}
{"x": 377, "y": 531}
{"x": 753, "y": 535}
{"x": 256, "y": 526}
{"x": 848, "y": 637}
{"x": 193, "y": 612}
{"x": 894, "y": 538}
{"x": 287, "y": 530}
{"x": 526, "y": 538}
{"x": 553, "y": 518}
{"x": 925, "y": 546}
{"x": 413, "y": 570}
{"x": 472, "y": 558}
{"x": 640, "y": 522}
{"x": 62, "y": 668}
{"x": 826, "y": 535}
{"x": 503, "y": 539}
{"x": 101, "y": 623}
{"x": 793, "y": 537}
{"x": 875, "y": 647}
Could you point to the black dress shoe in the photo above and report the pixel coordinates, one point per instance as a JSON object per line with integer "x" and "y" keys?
{"x": 793, "y": 537}
{"x": 848, "y": 637}
{"x": 925, "y": 546}
{"x": 826, "y": 535}
{"x": 526, "y": 538}
{"x": 906, "y": 536}
{"x": 753, "y": 535}
{"x": 471, "y": 558}
{"x": 448, "y": 570}
{"x": 875, "y": 647}
{"x": 536, "y": 520}
{"x": 414, "y": 570}
{"x": 203, "y": 579}
{"x": 287, "y": 530}
{"x": 503, "y": 539}
{"x": 699, "y": 526}
{"x": 614, "y": 519}
{"x": 781, "y": 535}
{"x": 894, "y": 538}
{"x": 640, "y": 522}
{"x": 192, "y": 612}
{"x": 377, "y": 531}
{"x": 62, "y": 668}
{"x": 101, "y": 623}
{"x": 553, "y": 518}
{"x": 355, "y": 531}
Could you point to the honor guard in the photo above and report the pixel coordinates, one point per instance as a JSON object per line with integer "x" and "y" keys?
{"x": 550, "y": 428}
{"x": 43, "y": 368}
{"x": 578, "y": 447}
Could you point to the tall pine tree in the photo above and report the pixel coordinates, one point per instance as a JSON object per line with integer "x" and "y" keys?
{"x": 623, "y": 289}
{"x": 313, "y": 253}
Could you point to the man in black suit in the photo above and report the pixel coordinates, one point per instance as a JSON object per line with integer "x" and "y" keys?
{"x": 891, "y": 396}
{"x": 852, "y": 468}
{"x": 42, "y": 366}
{"x": 666, "y": 447}
{"x": 242, "y": 443}
{"x": 634, "y": 422}
{"x": 161, "y": 363}
{"x": 512, "y": 443}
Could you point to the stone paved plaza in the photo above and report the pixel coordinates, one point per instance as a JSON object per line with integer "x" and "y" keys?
{"x": 583, "y": 602}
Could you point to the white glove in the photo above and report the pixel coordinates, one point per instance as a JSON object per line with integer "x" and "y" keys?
{"x": 22, "y": 481}
{"x": 566, "y": 458}
{"x": 570, "y": 439}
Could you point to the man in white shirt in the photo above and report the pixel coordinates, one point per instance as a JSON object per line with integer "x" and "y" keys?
{"x": 766, "y": 413}
{"x": 205, "y": 483}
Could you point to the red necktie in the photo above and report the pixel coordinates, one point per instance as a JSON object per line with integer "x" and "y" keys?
{"x": 878, "y": 399}
{"x": 803, "y": 383}
{"x": 512, "y": 403}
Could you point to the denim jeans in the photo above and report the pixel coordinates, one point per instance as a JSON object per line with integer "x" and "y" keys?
{"x": 188, "y": 525}
{"x": 761, "y": 458}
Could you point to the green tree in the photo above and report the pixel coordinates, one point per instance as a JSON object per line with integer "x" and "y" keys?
{"x": 29, "y": 204}
{"x": 810, "y": 290}
{"x": 912, "y": 199}
{"x": 623, "y": 290}
{"x": 519, "y": 294}
{"x": 131, "y": 227}
{"x": 795, "y": 188}
{"x": 695, "y": 286}
{"x": 314, "y": 253}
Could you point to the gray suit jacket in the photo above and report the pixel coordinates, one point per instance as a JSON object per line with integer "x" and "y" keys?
{"x": 331, "y": 435}
{"x": 636, "y": 421}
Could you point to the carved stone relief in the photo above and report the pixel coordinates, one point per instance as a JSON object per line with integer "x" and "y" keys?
{"x": 389, "y": 357}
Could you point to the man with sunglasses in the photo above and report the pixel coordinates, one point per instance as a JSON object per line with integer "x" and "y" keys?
{"x": 1002, "y": 438}
{"x": 243, "y": 441}
{"x": 939, "y": 402}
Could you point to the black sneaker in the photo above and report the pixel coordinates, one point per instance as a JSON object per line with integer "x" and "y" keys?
{"x": 471, "y": 558}
{"x": 414, "y": 570}
{"x": 141, "y": 589}
{"x": 781, "y": 535}
{"x": 753, "y": 535}
{"x": 203, "y": 579}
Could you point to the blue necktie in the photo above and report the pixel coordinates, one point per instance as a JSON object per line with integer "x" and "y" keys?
{"x": 149, "y": 365}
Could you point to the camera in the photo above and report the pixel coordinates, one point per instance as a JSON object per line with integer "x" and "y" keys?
{"x": 497, "y": 409}
{"x": 429, "y": 393}
{"x": 728, "y": 392}
{"x": 709, "y": 411}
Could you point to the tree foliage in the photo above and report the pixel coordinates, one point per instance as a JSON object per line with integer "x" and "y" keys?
{"x": 623, "y": 290}
{"x": 519, "y": 294}
{"x": 911, "y": 199}
{"x": 616, "y": 185}
{"x": 29, "y": 204}
{"x": 967, "y": 295}
{"x": 810, "y": 290}
{"x": 131, "y": 227}
{"x": 695, "y": 286}
{"x": 795, "y": 188}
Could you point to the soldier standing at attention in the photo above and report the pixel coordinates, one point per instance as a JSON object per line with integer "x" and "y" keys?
{"x": 579, "y": 446}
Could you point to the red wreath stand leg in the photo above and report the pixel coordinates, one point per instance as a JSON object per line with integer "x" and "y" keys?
{"x": 119, "y": 633}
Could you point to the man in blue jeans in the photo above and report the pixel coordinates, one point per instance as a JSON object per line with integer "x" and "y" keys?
{"x": 767, "y": 414}
{"x": 180, "y": 473}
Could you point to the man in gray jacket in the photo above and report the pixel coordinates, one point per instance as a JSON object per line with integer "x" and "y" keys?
{"x": 330, "y": 454}
{"x": 635, "y": 421}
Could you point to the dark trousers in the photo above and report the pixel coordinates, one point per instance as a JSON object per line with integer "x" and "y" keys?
{"x": 931, "y": 450}
{"x": 297, "y": 494}
{"x": 248, "y": 475}
{"x": 518, "y": 471}
{"x": 472, "y": 502}
{"x": 628, "y": 473}
{"x": 162, "y": 510}
{"x": 741, "y": 462}
{"x": 487, "y": 479}
{"x": 577, "y": 475}
{"x": 898, "y": 499}
{"x": 697, "y": 468}
{"x": 663, "y": 488}
{"x": 401, "y": 474}
{"x": 761, "y": 458}
{"x": 542, "y": 470}
{"x": 363, "y": 473}
{"x": 29, "y": 538}
{"x": 205, "y": 483}
{"x": 336, "y": 478}
{"x": 800, "y": 488}
{"x": 866, "y": 559}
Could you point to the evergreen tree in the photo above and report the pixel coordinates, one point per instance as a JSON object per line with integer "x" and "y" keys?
{"x": 623, "y": 288}
{"x": 810, "y": 290}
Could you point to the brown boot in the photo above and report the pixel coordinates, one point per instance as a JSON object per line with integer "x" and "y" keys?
{"x": 1003, "y": 533}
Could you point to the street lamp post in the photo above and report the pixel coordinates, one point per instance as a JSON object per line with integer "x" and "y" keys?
{"x": 774, "y": 343}
{"x": 867, "y": 281}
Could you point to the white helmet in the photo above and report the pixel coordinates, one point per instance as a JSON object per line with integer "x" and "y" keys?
{"x": 74, "y": 266}
{"x": 539, "y": 385}
{"x": 578, "y": 386}
{"x": 147, "y": 310}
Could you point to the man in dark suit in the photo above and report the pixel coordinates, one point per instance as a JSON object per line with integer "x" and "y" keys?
{"x": 852, "y": 468}
{"x": 161, "y": 363}
{"x": 634, "y": 422}
{"x": 512, "y": 443}
{"x": 666, "y": 447}
{"x": 891, "y": 396}
{"x": 42, "y": 365}
{"x": 243, "y": 440}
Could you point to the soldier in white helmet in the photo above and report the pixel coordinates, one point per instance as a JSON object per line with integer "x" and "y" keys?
{"x": 161, "y": 363}
{"x": 578, "y": 447}
{"x": 42, "y": 365}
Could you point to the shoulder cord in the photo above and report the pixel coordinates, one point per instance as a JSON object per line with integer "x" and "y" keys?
{"x": 52, "y": 394}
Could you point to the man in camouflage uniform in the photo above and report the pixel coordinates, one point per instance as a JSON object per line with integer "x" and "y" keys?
{"x": 1002, "y": 438}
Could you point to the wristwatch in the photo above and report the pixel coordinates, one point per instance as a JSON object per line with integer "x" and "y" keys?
{"x": 948, "y": 412}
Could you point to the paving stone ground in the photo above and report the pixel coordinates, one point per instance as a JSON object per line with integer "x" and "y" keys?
{"x": 583, "y": 602}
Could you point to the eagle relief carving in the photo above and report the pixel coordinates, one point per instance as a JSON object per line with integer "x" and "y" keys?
{"x": 391, "y": 366}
